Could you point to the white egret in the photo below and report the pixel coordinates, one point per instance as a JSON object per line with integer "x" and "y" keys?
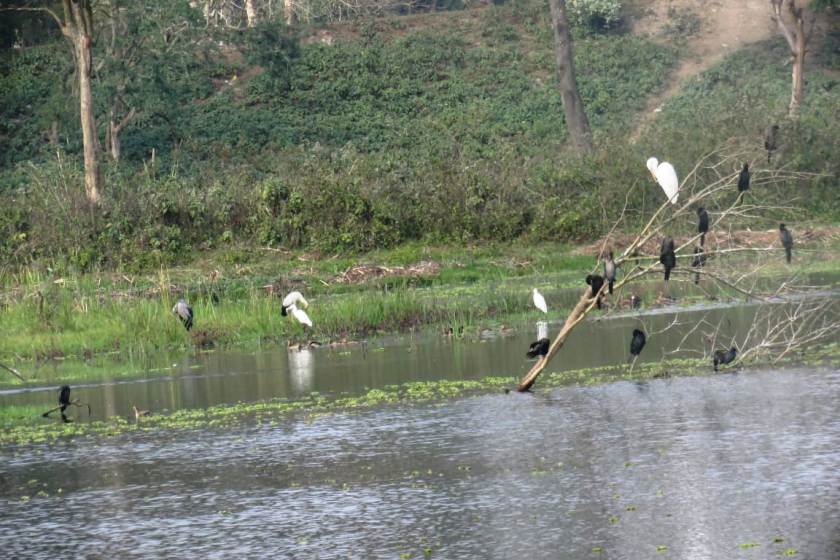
{"x": 300, "y": 315}
{"x": 293, "y": 298}
{"x": 652, "y": 164}
{"x": 665, "y": 174}
{"x": 539, "y": 301}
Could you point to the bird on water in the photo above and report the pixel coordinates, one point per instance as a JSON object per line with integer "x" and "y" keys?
{"x": 184, "y": 313}
{"x": 786, "y": 237}
{"x": 724, "y": 357}
{"x": 667, "y": 256}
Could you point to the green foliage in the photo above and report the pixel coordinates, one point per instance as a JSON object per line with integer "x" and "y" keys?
{"x": 594, "y": 14}
{"x": 445, "y": 132}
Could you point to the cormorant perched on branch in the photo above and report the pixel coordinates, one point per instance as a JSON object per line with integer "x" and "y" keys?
{"x": 596, "y": 282}
{"x": 609, "y": 272}
{"x": 184, "y": 313}
{"x": 538, "y": 348}
{"x": 698, "y": 262}
{"x": 770, "y": 140}
{"x": 787, "y": 241}
{"x": 702, "y": 224}
{"x": 638, "y": 342}
{"x": 722, "y": 358}
{"x": 667, "y": 256}
{"x": 63, "y": 402}
{"x": 744, "y": 178}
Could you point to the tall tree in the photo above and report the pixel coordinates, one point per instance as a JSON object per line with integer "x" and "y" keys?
{"x": 576, "y": 119}
{"x": 76, "y": 24}
{"x": 796, "y": 36}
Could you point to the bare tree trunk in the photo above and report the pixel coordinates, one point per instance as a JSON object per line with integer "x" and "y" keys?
{"x": 115, "y": 128}
{"x": 796, "y": 40}
{"x": 251, "y": 17}
{"x": 79, "y": 29}
{"x": 289, "y": 12}
{"x": 576, "y": 119}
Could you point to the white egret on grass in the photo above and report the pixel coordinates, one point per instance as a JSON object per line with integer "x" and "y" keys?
{"x": 290, "y": 305}
{"x": 300, "y": 315}
{"x": 539, "y": 301}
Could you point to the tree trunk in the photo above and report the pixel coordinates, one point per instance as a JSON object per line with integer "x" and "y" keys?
{"x": 576, "y": 119}
{"x": 89, "y": 137}
{"x": 289, "y": 12}
{"x": 797, "y": 87}
{"x": 251, "y": 17}
{"x": 796, "y": 40}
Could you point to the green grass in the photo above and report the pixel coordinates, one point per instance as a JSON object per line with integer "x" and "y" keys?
{"x": 105, "y": 326}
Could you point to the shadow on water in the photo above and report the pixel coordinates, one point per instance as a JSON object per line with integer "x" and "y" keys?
{"x": 228, "y": 377}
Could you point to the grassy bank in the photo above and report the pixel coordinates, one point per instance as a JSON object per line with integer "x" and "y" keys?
{"x": 67, "y": 328}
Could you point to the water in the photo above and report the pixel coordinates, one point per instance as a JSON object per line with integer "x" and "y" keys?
{"x": 228, "y": 377}
{"x": 700, "y": 465}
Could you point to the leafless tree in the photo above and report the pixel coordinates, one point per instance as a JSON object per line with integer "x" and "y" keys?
{"x": 711, "y": 183}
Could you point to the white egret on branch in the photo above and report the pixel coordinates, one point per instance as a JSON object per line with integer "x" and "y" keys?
{"x": 539, "y": 301}
{"x": 666, "y": 176}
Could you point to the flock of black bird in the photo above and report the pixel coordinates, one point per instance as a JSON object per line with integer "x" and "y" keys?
{"x": 668, "y": 259}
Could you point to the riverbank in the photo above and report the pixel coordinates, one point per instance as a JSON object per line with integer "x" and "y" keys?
{"x": 56, "y": 327}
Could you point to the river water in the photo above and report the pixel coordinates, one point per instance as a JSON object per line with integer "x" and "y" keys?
{"x": 739, "y": 465}
{"x": 743, "y": 464}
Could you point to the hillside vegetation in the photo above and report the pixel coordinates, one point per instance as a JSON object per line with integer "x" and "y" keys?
{"x": 443, "y": 127}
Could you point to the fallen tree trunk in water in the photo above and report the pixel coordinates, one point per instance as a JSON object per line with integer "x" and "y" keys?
{"x": 576, "y": 316}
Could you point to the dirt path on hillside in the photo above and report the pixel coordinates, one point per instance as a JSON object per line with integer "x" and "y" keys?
{"x": 725, "y": 26}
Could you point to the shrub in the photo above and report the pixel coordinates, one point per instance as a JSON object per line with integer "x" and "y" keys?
{"x": 594, "y": 14}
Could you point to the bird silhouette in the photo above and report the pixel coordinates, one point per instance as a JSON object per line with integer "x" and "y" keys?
{"x": 609, "y": 272}
{"x": 538, "y": 348}
{"x": 770, "y": 139}
{"x": 786, "y": 237}
{"x": 702, "y": 224}
{"x": 596, "y": 282}
{"x": 744, "y": 178}
{"x": 667, "y": 256}
{"x": 637, "y": 343}
{"x": 722, "y": 357}
{"x": 698, "y": 262}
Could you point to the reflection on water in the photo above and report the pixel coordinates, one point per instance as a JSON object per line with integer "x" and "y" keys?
{"x": 705, "y": 466}
{"x": 229, "y": 377}
{"x": 301, "y": 371}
